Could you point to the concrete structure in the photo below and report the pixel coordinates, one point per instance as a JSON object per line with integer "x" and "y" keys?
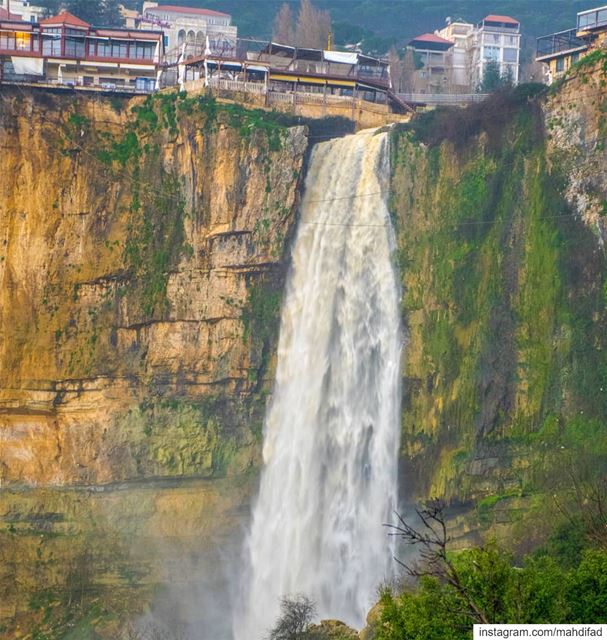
{"x": 435, "y": 54}
{"x": 308, "y": 82}
{"x": 455, "y": 57}
{"x": 190, "y": 26}
{"x": 459, "y": 33}
{"x": 65, "y": 50}
{"x": 22, "y": 10}
{"x": 560, "y": 51}
{"x": 286, "y": 69}
{"x": 495, "y": 39}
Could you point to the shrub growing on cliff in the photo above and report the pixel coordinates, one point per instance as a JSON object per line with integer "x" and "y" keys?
{"x": 492, "y": 116}
{"x": 456, "y": 590}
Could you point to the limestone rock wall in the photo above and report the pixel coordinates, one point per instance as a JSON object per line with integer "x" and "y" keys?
{"x": 143, "y": 252}
{"x": 134, "y": 249}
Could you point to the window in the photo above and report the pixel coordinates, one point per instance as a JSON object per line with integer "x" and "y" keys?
{"x": 575, "y": 57}
{"x": 510, "y": 55}
{"x": 74, "y": 47}
{"x": 119, "y": 49}
{"x": 491, "y": 53}
{"x": 143, "y": 50}
{"x": 104, "y": 49}
{"x": 51, "y": 45}
{"x": 560, "y": 64}
{"x": 7, "y": 40}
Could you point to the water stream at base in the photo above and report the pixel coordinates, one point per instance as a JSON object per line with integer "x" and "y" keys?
{"x": 331, "y": 436}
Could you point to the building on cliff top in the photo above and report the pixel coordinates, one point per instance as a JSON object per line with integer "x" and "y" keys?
{"x": 292, "y": 73}
{"x": 560, "y": 51}
{"x": 434, "y": 54}
{"x": 21, "y": 10}
{"x": 453, "y": 60}
{"x": 188, "y": 31}
{"x": 65, "y": 50}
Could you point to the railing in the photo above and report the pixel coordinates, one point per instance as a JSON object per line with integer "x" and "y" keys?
{"x": 592, "y": 19}
{"x": 442, "y": 98}
{"x": 283, "y": 98}
{"x": 237, "y": 85}
{"x": 37, "y": 81}
{"x": 559, "y": 42}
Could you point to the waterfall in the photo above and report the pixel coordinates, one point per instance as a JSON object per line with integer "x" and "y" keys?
{"x": 331, "y": 435}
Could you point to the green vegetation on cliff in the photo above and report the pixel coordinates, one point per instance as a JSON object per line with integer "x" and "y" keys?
{"x": 542, "y": 590}
{"x": 505, "y": 312}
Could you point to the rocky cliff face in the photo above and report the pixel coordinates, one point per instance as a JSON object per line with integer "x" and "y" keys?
{"x": 137, "y": 252}
{"x": 143, "y": 252}
{"x": 499, "y": 212}
{"x": 142, "y": 261}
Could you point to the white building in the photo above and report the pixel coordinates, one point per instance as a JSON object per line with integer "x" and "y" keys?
{"x": 191, "y": 26}
{"x": 24, "y": 10}
{"x": 459, "y": 32}
{"x": 497, "y": 39}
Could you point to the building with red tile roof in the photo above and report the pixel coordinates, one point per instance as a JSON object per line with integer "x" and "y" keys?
{"x": 66, "y": 50}
{"x": 455, "y": 58}
{"x": 432, "y": 39}
{"x": 66, "y": 18}
{"x": 500, "y": 19}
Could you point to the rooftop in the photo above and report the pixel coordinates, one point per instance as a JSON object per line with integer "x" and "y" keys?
{"x": 502, "y": 19}
{"x": 431, "y": 37}
{"x": 170, "y": 8}
{"x": 65, "y": 17}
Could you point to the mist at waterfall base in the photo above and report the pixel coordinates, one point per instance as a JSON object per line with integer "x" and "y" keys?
{"x": 331, "y": 435}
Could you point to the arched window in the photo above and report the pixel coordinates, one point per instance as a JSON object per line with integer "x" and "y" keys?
{"x": 191, "y": 37}
{"x": 181, "y": 37}
{"x": 200, "y": 39}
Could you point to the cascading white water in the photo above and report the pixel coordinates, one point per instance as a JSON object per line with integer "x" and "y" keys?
{"x": 332, "y": 431}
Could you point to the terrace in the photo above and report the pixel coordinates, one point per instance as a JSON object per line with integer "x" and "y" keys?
{"x": 592, "y": 20}
{"x": 559, "y": 43}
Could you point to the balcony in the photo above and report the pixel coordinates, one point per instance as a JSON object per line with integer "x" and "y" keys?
{"x": 592, "y": 19}
{"x": 558, "y": 43}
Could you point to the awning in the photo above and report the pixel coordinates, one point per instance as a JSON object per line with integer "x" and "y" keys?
{"x": 28, "y": 66}
{"x": 343, "y": 57}
{"x": 256, "y": 67}
{"x": 285, "y": 78}
{"x": 367, "y": 87}
{"x": 341, "y": 83}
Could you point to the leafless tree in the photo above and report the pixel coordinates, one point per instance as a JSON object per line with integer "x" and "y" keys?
{"x": 296, "y": 614}
{"x": 585, "y": 499}
{"x": 283, "y": 25}
{"x": 432, "y": 540}
{"x": 313, "y": 26}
